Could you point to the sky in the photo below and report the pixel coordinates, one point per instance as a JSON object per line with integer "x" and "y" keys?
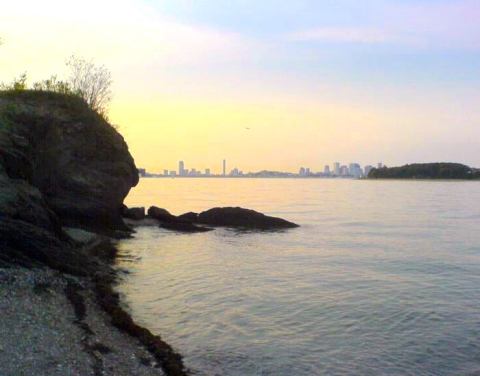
{"x": 268, "y": 84}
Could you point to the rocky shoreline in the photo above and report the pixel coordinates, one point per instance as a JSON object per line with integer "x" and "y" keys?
{"x": 64, "y": 173}
{"x": 57, "y": 323}
{"x": 52, "y": 325}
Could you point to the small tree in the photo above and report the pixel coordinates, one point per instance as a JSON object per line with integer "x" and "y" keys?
{"x": 91, "y": 82}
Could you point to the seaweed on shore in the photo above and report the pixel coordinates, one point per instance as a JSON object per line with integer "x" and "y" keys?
{"x": 170, "y": 361}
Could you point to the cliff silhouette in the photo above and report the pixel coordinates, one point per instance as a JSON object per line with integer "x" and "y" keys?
{"x": 64, "y": 173}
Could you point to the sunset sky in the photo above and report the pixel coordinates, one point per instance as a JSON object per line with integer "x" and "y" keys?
{"x": 269, "y": 84}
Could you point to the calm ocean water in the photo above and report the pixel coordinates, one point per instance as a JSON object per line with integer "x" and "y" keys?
{"x": 383, "y": 278}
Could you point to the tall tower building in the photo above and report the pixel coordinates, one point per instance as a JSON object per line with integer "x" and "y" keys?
{"x": 181, "y": 168}
{"x": 224, "y": 167}
{"x": 336, "y": 168}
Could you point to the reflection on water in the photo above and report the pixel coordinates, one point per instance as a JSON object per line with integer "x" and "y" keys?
{"x": 381, "y": 279}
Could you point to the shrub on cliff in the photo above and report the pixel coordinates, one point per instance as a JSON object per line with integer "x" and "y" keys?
{"x": 92, "y": 82}
{"x": 18, "y": 83}
{"x": 88, "y": 81}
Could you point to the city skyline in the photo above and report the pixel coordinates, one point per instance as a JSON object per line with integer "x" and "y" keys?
{"x": 338, "y": 169}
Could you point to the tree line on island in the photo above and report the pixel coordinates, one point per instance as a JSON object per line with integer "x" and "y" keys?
{"x": 426, "y": 171}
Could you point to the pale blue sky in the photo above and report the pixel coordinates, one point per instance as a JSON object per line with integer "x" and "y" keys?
{"x": 319, "y": 80}
{"x": 371, "y": 40}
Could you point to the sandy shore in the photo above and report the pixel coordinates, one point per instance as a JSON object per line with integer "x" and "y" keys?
{"x": 52, "y": 325}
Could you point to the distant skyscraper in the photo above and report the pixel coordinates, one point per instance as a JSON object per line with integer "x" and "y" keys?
{"x": 165, "y": 172}
{"x": 181, "y": 168}
{"x": 336, "y": 168}
{"x": 344, "y": 171}
{"x": 380, "y": 165}
{"x": 224, "y": 167}
{"x": 301, "y": 172}
{"x": 355, "y": 170}
{"x": 307, "y": 171}
{"x": 207, "y": 172}
{"x": 326, "y": 170}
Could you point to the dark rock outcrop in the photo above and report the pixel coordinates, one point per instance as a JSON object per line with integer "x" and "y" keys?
{"x": 78, "y": 162}
{"x": 181, "y": 223}
{"x": 136, "y": 214}
{"x": 189, "y": 217}
{"x": 244, "y": 218}
{"x": 161, "y": 215}
{"x": 61, "y": 164}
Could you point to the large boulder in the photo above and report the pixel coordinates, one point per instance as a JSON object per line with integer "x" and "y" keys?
{"x": 244, "y": 218}
{"x": 79, "y": 162}
{"x": 182, "y": 223}
{"x": 31, "y": 233}
{"x": 161, "y": 215}
{"x": 189, "y": 217}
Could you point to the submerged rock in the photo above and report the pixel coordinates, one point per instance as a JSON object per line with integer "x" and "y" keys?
{"x": 184, "y": 227}
{"x": 240, "y": 217}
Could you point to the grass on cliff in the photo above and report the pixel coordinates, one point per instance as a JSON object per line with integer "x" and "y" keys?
{"x": 15, "y": 102}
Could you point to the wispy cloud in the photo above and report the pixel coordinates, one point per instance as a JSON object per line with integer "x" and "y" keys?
{"x": 339, "y": 34}
{"x": 451, "y": 25}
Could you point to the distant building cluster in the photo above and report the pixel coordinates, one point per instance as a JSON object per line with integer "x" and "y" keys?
{"x": 352, "y": 170}
{"x": 185, "y": 172}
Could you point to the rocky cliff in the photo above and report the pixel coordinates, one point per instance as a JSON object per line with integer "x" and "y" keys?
{"x": 61, "y": 164}
{"x": 64, "y": 170}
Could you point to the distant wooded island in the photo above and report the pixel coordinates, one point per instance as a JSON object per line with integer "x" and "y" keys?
{"x": 426, "y": 171}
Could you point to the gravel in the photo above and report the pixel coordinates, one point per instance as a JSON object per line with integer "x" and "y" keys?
{"x": 41, "y": 334}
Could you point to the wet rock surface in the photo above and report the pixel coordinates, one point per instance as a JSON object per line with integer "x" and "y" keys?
{"x": 184, "y": 227}
{"x": 189, "y": 217}
{"x": 222, "y": 217}
{"x": 136, "y": 214}
{"x": 243, "y": 218}
{"x": 162, "y": 215}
